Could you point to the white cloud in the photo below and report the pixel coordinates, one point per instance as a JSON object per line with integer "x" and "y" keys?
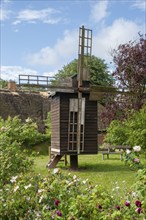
{"x": 64, "y": 51}
{"x": 4, "y": 11}
{"x": 99, "y": 11}
{"x": 4, "y": 14}
{"x": 50, "y": 74}
{"x": 140, "y": 4}
{"x": 13, "y": 72}
{"x": 121, "y": 31}
{"x": 108, "y": 38}
{"x": 47, "y": 15}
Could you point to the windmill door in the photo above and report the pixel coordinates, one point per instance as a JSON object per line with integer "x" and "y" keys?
{"x": 72, "y": 127}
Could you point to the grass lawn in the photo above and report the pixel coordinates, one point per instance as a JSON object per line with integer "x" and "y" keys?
{"x": 110, "y": 173}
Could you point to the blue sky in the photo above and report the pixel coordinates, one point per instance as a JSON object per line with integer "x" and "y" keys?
{"x": 40, "y": 37}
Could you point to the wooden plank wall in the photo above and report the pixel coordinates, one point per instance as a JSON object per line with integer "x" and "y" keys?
{"x": 64, "y": 120}
{"x": 91, "y": 127}
{"x": 60, "y": 117}
{"x": 55, "y": 123}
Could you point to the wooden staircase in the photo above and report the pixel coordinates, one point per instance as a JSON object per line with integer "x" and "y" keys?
{"x": 55, "y": 158}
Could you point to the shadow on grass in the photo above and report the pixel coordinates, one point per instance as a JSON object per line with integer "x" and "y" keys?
{"x": 98, "y": 167}
{"x": 103, "y": 168}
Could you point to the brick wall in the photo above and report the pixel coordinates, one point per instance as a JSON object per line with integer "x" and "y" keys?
{"x": 33, "y": 105}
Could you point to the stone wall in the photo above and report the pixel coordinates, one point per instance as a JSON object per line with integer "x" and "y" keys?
{"x": 25, "y": 104}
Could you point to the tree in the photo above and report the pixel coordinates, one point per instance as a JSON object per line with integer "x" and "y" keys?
{"x": 130, "y": 77}
{"x": 130, "y": 72}
{"x": 99, "y": 74}
{"x": 3, "y": 83}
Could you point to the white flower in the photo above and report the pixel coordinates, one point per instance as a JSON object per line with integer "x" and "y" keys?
{"x": 134, "y": 194}
{"x": 13, "y": 179}
{"x": 40, "y": 190}
{"x": 41, "y": 199}
{"x": 28, "y": 120}
{"x": 128, "y": 151}
{"x": 15, "y": 189}
{"x": 74, "y": 177}
{"x": 70, "y": 183}
{"x": 3, "y": 129}
{"x": 85, "y": 181}
{"x": 56, "y": 170}
{"x": 26, "y": 187}
{"x": 137, "y": 148}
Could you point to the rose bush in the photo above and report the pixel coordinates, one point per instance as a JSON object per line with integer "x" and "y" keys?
{"x": 66, "y": 197}
{"x": 25, "y": 195}
{"x": 132, "y": 158}
{"x": 13, "y": 159}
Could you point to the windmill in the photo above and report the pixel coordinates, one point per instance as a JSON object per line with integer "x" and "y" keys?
{"x": 74, "y": 115}
{"x": 74, "y": 119}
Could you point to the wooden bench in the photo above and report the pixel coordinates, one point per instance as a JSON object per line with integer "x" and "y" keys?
{"x": 107, "y": 153}
{"x": 109, "y": 149}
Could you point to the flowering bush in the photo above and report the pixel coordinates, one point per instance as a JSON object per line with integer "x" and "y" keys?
{"x": 24, "y": 132}
{"x": 65, "y": 197}
{"x": 13, "y": 159}
{"x": 132, "y": 159}
{"x": 140, "y": 184}
{"x": 25, "y": 195}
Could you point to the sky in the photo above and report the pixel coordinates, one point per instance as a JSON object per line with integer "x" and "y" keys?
{"x": 39, "y": 37}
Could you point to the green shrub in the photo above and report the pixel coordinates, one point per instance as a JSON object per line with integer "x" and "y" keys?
{"x": 66, "y": 197}
{"x": 24, "y": 132}
{"x": 136, "y": 128}
{"x": 130, "y": 132}
{"x": 116, "y": 133}
{"x": 48, "y": 126}
{"x": 13, "y": 159}
{"x": 140, "y": 184}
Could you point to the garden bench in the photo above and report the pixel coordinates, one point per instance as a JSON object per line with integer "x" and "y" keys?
{"x": 110, "y": 149}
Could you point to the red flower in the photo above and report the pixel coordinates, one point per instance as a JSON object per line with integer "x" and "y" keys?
{"x": 139, "y": 210}
{"x": 118, "y": 207}
{"x": 56, "y": 202}
{"x": 58, "y": 213}
{"x": 138, "y": 203}
{"x": 127, "y": 203}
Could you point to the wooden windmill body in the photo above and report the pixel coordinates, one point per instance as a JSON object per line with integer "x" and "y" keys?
{"x": 73, "y": 115}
